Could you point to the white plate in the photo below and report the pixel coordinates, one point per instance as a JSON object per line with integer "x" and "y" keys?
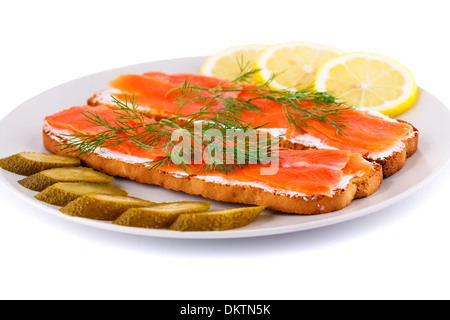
{"x": 21, "y": 131}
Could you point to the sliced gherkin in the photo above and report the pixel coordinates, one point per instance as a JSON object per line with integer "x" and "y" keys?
{"x": 61, "y": 193}
{"x": 102, "y": 206}
{"x": 28, "y": 163}
{"x": 217, "y": 220}
{"x": 161, "y": 215}
{"x": 44, "y": 179}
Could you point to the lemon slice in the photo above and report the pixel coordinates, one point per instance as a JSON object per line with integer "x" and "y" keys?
{"x": 368, "y": 80}
{"x": 294, "y": 64}
{"x": 230, "y": 63}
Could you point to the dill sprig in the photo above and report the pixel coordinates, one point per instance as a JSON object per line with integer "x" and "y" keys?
{"x": 298, "y": 105}
{"x": 132, "y": 127}
{"x": 301, "y": 106}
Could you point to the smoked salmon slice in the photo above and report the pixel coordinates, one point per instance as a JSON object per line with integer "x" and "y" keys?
{"x": 307, "y": 172}
{"x": 365, "y": 132}
{"x": 155, "y": 92}
{"x": 75, "y": 121}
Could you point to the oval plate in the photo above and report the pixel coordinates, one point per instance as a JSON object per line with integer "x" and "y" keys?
{"x": 24, "y": 123}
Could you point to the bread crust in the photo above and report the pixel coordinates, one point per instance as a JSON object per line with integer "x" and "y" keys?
{"x": 357, "y": 188}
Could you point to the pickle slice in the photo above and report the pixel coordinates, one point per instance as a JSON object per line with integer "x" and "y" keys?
{"x": 102, "y": 206}
{"x": 28, "y": 163}
{"x": 161, "y": 215}
{"x": 44, "y": 179}
{"x": 216, "y": 220}
{"x": 61, "y": 193}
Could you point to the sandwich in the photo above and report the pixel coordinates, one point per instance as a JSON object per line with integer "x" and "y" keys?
{"x": 309, "y": 181}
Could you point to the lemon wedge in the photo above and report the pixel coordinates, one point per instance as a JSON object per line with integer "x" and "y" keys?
{"x": 368, "y": 80}
{"x": 230, "y": 63}
{"x": 292, "y": 64}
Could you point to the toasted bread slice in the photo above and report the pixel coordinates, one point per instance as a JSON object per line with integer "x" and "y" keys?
{"x": 228, "y": 191}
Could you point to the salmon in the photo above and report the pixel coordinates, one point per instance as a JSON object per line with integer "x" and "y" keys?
{"x": 75, "y": 121}
{"x": 308, "y": 172}
{"x": 364, "y": 132}
{"x": 368, "y": 133}
{"x": 155, "y": 92}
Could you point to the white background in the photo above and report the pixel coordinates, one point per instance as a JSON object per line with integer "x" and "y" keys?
{"x": 398, "y": 253}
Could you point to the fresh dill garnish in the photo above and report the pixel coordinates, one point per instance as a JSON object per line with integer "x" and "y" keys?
{"x": 132, "y": 127}
{"x": 298, "y": 106}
